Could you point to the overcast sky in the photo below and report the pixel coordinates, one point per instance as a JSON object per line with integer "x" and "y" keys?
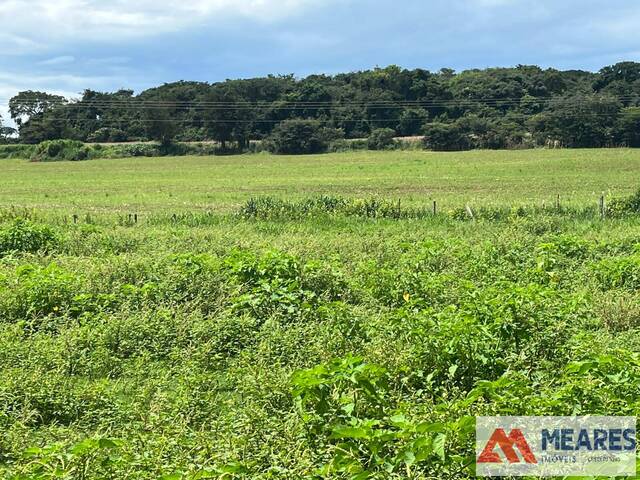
{"x": 65, "y": 46}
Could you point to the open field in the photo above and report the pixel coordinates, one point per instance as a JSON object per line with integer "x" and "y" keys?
{"x": 222, "y": 183}
{"x": 325, "y": 346}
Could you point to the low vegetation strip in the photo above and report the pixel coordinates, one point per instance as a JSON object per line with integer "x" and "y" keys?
{"x": 306, "y": 349}
{"x": 273, "y": 208}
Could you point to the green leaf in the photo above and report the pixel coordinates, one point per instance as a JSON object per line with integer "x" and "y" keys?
{"x": 426, "y": 427}
{"x": 349, "y": 432}
{"x": 439, "y": 444}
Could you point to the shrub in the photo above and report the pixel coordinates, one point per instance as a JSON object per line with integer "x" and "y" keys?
{"x": 276, "y": 284}
{"x": 619, "y": 207}
{"x": 16, "y": 151}
{"x": 348, "y": 408}
{"x": 107, "y": 134}
{"x": 619, "y": 272}
{"x": 381, "y": 139}
{"x": 57, "y": 150}
{"x": 25, "y": 236}
{"x": 346, "y": 145}
{"x": 274, "y": 208}
{"x": 138, "y": 150}
{"x": 445, "y": 137}
{"x": 38, "y": 292}
{"x": 301, "y": 136}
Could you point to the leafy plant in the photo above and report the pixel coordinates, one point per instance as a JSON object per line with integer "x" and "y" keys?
{"x": 26, "y": 236}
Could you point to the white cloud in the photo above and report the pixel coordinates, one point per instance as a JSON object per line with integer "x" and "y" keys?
{"x": 58, "y": 60}
{"x": 108, "y": 21}
{"x": 14, "y": 44}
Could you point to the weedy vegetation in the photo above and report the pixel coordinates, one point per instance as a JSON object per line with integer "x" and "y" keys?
{"x": 335, "y": 335}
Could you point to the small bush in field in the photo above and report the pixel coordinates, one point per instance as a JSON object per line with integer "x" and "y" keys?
{"x": 59, "y": 150}
{"x": 381, "y": 139}
{"x": 619, "y": 272}
{"x": 619, "y": 207}
{"x": 25, "y": 236}
{"x": 35, "y": 292}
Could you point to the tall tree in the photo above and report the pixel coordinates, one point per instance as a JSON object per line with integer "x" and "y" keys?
{"x": 30, "y": 104}
{"x": 228, "y": 116}
{"x": 160, "y": 121}
{"x": 5, "y": 132}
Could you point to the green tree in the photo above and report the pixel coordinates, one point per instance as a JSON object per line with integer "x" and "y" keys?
{"x": 381, "y": 139}
{"x": 412, "y": 121}
{"x": 579, "y": 121}
{"x": 160, "y": 120}
{"x": 301, "y": 136}
{"x": 38, "y": 116}
{"x": 629, "y": 127}
{"x": 5, "y": 132}
{"x": 446, "y": 137}
{"x": 30, "y": 104}
{"x": 227, "y": 116}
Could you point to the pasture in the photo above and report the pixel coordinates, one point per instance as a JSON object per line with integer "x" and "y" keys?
{"x": 222, "y": 183}
{"x": 202, "y": 343}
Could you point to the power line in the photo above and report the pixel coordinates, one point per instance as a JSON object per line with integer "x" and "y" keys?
{"x": 331, "y": 120}
{"x": 293, "y": 104}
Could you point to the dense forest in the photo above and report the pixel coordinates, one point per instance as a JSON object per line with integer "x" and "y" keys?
{"x": 519, "y": 107}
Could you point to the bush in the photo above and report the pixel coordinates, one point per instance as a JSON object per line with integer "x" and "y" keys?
{"x": 445, "y": 137}
{"x": 473, "y": 131}
{"x": 619, "y": 272}
{"x": 58, "y": 150}
{"x": 300, "y": 137}
{"x": 107, "y": 134}
{"x": 138, "y": 150}
{"x": 381, "y": 139}
{"x": 619, "y": 207}
{"x": 24, "y": 236}
{"x": 347, "y": 145}
{"x": 16, "y": 151}
{"x": 36, "y": 292}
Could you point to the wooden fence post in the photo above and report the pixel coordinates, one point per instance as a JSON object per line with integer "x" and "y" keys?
{"x": 435, "y": 208}
{"x": 470, "y": 212}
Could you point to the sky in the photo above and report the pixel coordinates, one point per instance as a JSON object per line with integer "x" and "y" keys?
{"x": 66, "y": 46}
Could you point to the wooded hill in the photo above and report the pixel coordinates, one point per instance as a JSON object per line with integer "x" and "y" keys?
{"x": 517, "y": 107}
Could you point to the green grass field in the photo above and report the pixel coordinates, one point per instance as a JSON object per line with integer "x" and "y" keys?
{"x": 220, "y": 183}
{"x": 319, "y": 345}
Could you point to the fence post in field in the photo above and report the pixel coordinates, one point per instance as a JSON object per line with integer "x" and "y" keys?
{"x": 435, "y": 208}
{"x": 470, "y": 212}
{"x": 399, "y": 209}
{"x": 558, "y": 202}
{"x": 135, "y": 218}
{"x": 603, "y": 210}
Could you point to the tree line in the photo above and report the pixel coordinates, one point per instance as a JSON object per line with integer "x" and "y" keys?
{"x": 520, "y": 107}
